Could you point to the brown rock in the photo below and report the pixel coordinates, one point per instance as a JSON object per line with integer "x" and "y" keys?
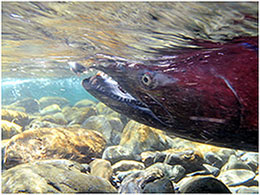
{"x": 53, "y": 176}
{"x": 76, "y": 144}
{"x": 139, "y": 138}
{"x": 9, "y": 129}
{"x": 20, "y": 118}
{"x": 101, "y": 168}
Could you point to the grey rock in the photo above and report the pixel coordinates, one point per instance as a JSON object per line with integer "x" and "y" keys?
{"x": 235, "y": 163}
{"x": 148, "y": 157}
{"x": 117, "y": 153}
{"x": 212, "y": 170}
{"x": 251, "y": 159}
{"x": 189, "y": 159}
{"x": 137, "y": 182}
{"x": 213, "y": 159}
{"x": 202, "y": 184}
{"x": 126, "y": 165}
{"x": 175, "y": 173}
{"x": 245, "y": 190}
{"x": 236, "y": 177}
{"x": 52, "y": 176}
{"x": 99, "y": 123}
{"x": 163, "y": 185}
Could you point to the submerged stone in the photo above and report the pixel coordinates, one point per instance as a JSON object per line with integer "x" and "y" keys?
{"x": 101, "y": 168}
{"x": 117, "y": 153}
{"x": 9, "y": 129}
{"x": 236, "y": 177}
{"x": 53, "y": 176}
{"x": 84, "y": 103}
{"x": 76, "y": 144}
{"x": 49, "y": 100}
{"x": 20, "y": 118}
{"x": 202, "y": 184}
{"x": 51, "y": 109}
{"x": 127, "y": 165}
{"x": 29, "y": 104}
{"x": 139, "y": 138}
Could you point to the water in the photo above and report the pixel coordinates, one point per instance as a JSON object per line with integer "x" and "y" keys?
{"x": 18, "y": 89}
{"x": 40, "y": 39}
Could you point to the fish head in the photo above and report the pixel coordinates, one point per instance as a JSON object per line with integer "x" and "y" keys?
{"x": 145, "y": 83}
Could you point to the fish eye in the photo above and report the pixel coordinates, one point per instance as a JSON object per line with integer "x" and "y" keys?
{"x": 146, "y": 79}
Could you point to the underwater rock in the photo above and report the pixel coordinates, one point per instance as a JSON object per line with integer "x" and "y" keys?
{"x": 57, "y": 118}
{"x": 163, "y": 185}
{"x": 148, "y": 157}
{"x": 9, "y": 129}
{"x": 236, "y": 177}
{"x": 191, "y": 160}
{"x": 139, "y": 138}
{"x": 76, "y": 144}
{"x": 84, "y": 103}
{"x": 49, "y": 100}
{"x": 36, "y": 124}
{"x": 20, "y": 118}
{"x": 202, "y": 184}
{"x": 213, "y": 159}
{"x": 101, "y": 168}
{"x": 51, "y": 109}
{"x": 103, "y": 109}
{"x": 29, "y": 104}
{"x": 127, "y": 165}
{"x": 4, "y": 143}
{"x": 235, "y": 163}
{"x": 19, "y": 109}
{"x": 52, "y": 176}
{"x": 138, "y": 182}
{"x": 99, "y": 123}
{"x": 76, "y": 115}
{"x": 212, "y": 170}
{"x": 117, "y": 153}
{"x": 244, "y": 190}
{"x": 251, "y": 159}
{"x": 174, "y": 173}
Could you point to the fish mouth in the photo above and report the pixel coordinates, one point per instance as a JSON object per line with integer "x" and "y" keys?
{"x": 107, "y": 90}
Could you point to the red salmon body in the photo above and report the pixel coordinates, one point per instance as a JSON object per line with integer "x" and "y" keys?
{"x": 208, "y": 95}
